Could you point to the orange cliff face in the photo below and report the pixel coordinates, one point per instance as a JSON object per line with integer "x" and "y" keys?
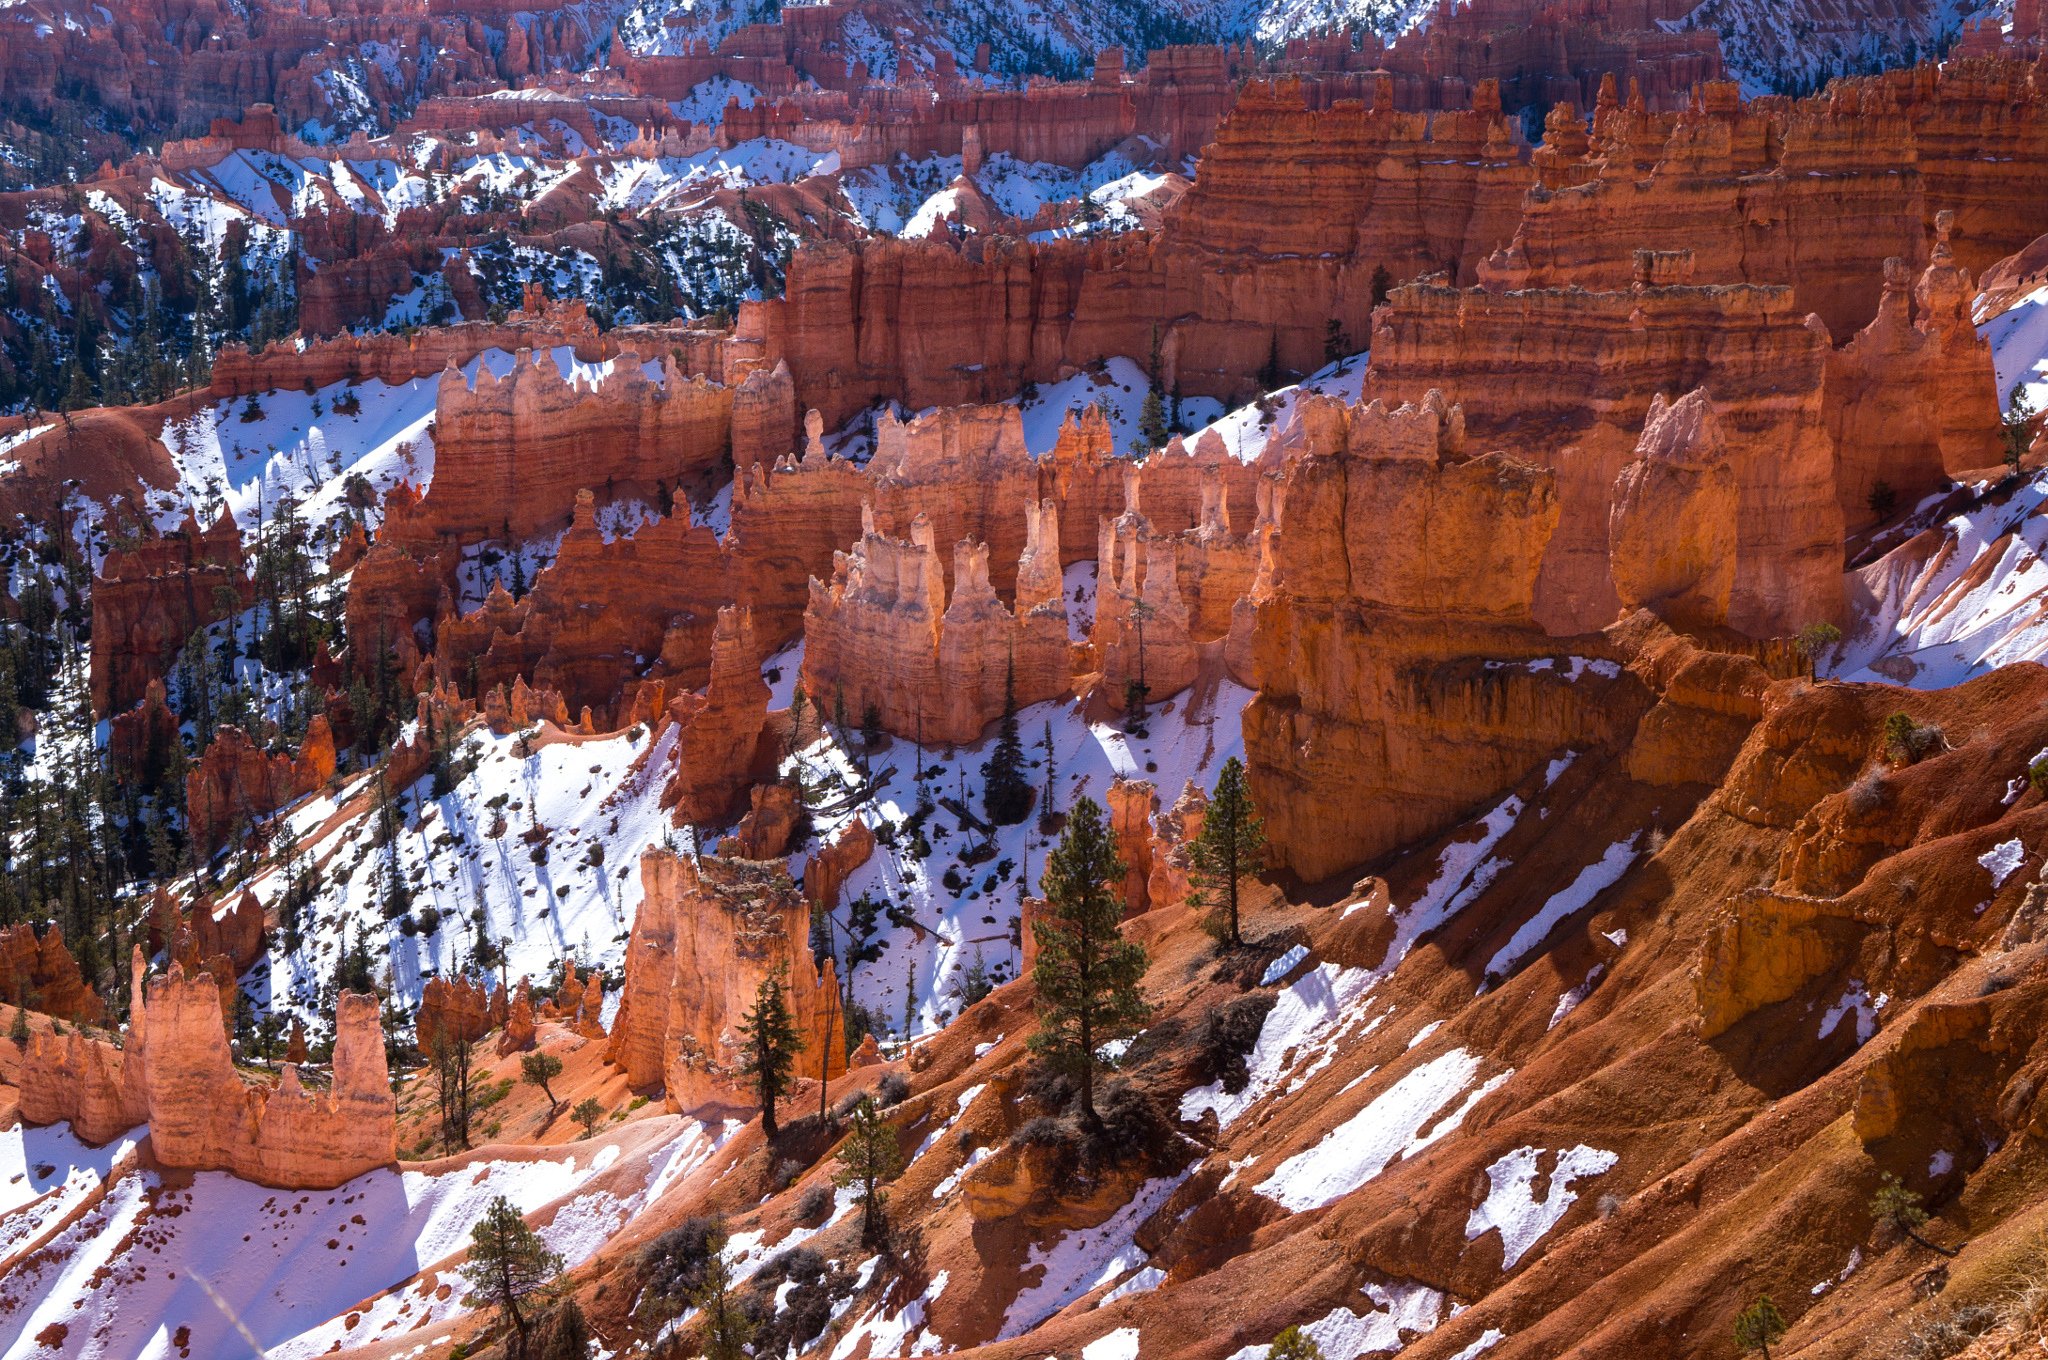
{"x": 709, "y": 931}
{"x": 175, "y": 1073}
{"x": 1565, "y": 378}
{"x": 1402, "y": 676}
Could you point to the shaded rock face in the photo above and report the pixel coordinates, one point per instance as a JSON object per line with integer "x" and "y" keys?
{"x": 176, "y": 1073}
{"x": 236, "y": 782}
{"x": 708, "y": 933}
{"x": 1566, "y": 379}
{"x": 511, "y": 454}
{"x": 1815, "y": 193}
{"x": 41, "y": 975}
{"x": 150, "y": 597}
{"x": 718, "y": 732}
{"x": 454, "y": 1011}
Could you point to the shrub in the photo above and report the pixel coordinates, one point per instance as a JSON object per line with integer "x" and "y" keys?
{"x": 1227, "y": 1036}
{"x": 1866, "y": 795}
{"x": 1907, "y": 742}
{"x": 892, "y": 1089}
{"x": 1133, "y": 1126}
{"x": 1042, "y": 1131}
{"x": 815, "y": 1205}
{"x": 1816, "y": 638}
{"x": 1948, "y": 1331}
{"x": 675, "y": 1260}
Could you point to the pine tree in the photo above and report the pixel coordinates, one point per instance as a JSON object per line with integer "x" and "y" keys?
{"x": 510, "y": 1269}
{"x": 727, "y": 1328}
{"x": 1006, "y": 797}
{"x": 1048, "y": 809}
{"x": 1230, "y": 848}
{"x": 1759, "y": 1326}
{"x": 1152, "y": 421}
{"x": 869, "y": 1159}
{"x": 1294, "y": 1344}
{"x": 1087, "y": 974}
{"x": 538, "y": 1069}
{"x": 772, "y": 1043}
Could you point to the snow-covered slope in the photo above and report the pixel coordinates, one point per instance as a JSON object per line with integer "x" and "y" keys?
{"x": 125, "y": 1262}
{"x": 1798, "y": 47}
{"x": 1965, "y": 589}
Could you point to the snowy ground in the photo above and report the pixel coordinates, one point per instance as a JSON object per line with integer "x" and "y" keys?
{"x": 538, "y": 850}
{"x": 149, "y": 1270}
{"x": 1245, "y": 430}
{"x": 937, "y": 929}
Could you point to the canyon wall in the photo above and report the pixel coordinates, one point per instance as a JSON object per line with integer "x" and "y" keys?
{"x": 1402, "y": 676}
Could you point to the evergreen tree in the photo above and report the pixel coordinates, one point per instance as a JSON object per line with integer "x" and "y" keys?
{"x": 772, "y": 1043}
{"x": 727, "y": 1328}
{"x": 1899, "y": 1209}
{"x": 1048, "y": 808}
{"x": 868, "y": 1160}
{"x": 1759, "y": 1325}
{"x": 1087, "y": 973}
{"x": 1294, "y": 1344}
{"x": 1006, "y": 797}
{"x": 587, "y": 1113}
{"x": 1152, "y": 421}
{"x": 538, "y": 1069}
{"x": 1231, "y": 847}
{"x": 510, "y": 1269}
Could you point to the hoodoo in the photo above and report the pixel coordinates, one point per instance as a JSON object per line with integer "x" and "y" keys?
{"x": 859, "y": 679}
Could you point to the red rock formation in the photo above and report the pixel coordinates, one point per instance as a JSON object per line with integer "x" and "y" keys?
{"x": 236, "y": 783}
{"x": 1131, "y": 804}
{"x": 41, "y": 975}
{"x": 1402, "y": 678}
{"x": 719, "y": 733}
{"x": 764, "y": 833}
{"x": 519, "y": 1022}
{"x": 176, "y": 1073}
{"x": 1566, "y": 377}
{"x": 453, "y": 1012}
{"x": 142, "y": 743}
{"x": 829, "y": 866}
{"x": 149, "y": 598}
{"x": 1671, "y": 531}
{"x": 1169, "y": 884}
{"x": 235, "y": 934}
{"x": 708, "y": 932}
{"x": 511, "y": 455}
{"x": 1144, "y": 632}
{"x": 1243, "y": 274}
{"x": 881, "y": 637}
{"x": 1912, "y": 398}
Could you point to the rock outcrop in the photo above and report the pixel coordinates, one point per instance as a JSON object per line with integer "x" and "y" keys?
{"x": 1672, "y": 526}
{"x": 1402, "y": 677}
{"x": 882, "y": 639}
{"x": 175, "y": 1072}
{"x": 151, "y": 596}
{"x": 719, "y": 732}
{"x": 237, "y": 783}
{"x": 41, "y": 975}
{"x": 708, "y": 933}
